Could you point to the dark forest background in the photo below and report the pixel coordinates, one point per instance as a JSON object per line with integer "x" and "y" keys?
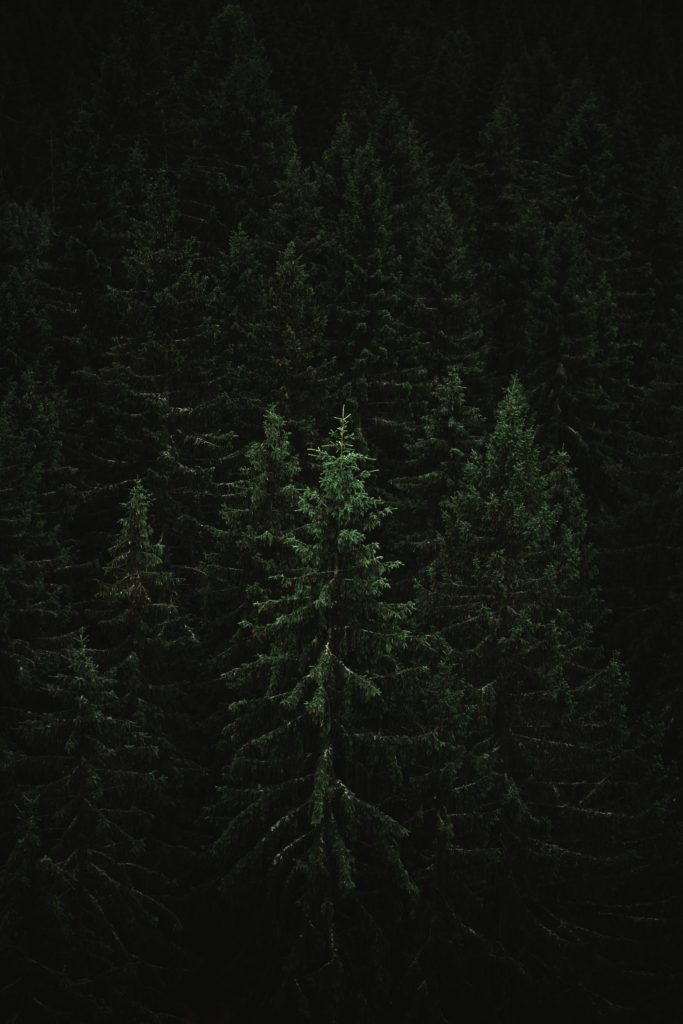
{"x": 341, "y": 511}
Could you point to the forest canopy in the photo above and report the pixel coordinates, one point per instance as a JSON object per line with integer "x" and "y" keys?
{"x": 341, "y": 511}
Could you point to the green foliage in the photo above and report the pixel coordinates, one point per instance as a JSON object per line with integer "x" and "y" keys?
{"x": 87, "y": 774}
{"x": 535, "y": 829}
{"x": 217, "y": 225}
{"x": 311, "y": 764}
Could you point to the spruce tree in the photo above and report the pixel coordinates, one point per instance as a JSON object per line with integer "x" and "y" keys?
{"x": 577, "y": 362}
{"x": 88, "y": 775}
{"x": 508, "y": 216}
{"x": 228, "y": 141}
{"x": 142, "y": 637}
{"x": 361, "y": 268}
{"x": 542, "y": 823}
{"x": 314, "y": 769}
{"x": 160, "y": 410}
{"x": 275, "y": 326}
{"x": 435, "y": 461}
{"x": 249, "y": 545}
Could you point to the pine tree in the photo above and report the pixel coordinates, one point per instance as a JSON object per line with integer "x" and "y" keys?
{"x": 509, "y": 220}
{"x": 34, "y": 561}
{"x": 24, "y": 318}
{"x": 275, "y": 326}
{"x": 33, "y": 890}
{"x": 314, "y": 770}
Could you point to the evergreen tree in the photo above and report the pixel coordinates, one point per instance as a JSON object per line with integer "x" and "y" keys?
{"x": 34, "y": 559}
{"x": 24, "y": 318}
{"x": 543, "y": 822}
{"x": 578, "y": 364}
{"x": 142, "y": 636}
{"x": 361, "y": 267}
{"x": 251, "y": 543}
{"x": 88, "y": 774}
{"x": 313, "y": 772}
{"x": 509, "y": 225}
{"x": 162, "y": 408}
{"x": 276, "y": 328}
{"x": 228, "y": 140}
{"x": 434, "y": 465}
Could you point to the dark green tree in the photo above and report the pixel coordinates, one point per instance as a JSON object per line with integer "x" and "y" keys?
{"x": 251, "y": 542}
{"x": 275, "y": 327}
{"x": 361, "y": 268}
{"x": 509, "y": 221}
{"x": 34, "y": 561}
{"x": 434, "y": 465}
{"x": 578, "y": 363}
{"x": 228, "y": 140}
{"x": 88, "y": 773}
{"x": 314, "y": 769}
{"x": 542, "y": 826}
{"x": 160, "y": 410}
{"x": 142, "y": 637}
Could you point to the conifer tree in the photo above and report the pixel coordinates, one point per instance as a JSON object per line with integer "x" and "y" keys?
{"x": 225, "y": 105}
{"x": 251, "y": 543}
{"x": 313, "y": 771}
{"x": 578, "y": 363}
{"x": 32, "y": 924}
{"x": 34, "y": 560}
{"x": 142, "y": 636}
{"x": 161, "y": 409}
{"x": 361, "y": 267}
{"x": 88, "y": 775}
{"x": 435, "y": 461}
{"x": 542, "y": 821}
{"x": 276, "y": 327}
{"x": 24, "y": 318}
{"x": 509, "y": 225}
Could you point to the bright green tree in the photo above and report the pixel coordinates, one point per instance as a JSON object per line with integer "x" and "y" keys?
{"x": 315, "y": 766}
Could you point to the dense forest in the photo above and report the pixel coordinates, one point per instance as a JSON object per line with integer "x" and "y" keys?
{"x": 341, "y": 511}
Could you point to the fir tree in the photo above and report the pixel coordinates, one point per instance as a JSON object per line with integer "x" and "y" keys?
{"x": 509, "y": 224}
{"x": 434, "y": 465}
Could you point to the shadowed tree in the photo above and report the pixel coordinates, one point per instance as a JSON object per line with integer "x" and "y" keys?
{"x": 88, "y": 776}
{"x": 542, "y": 823}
